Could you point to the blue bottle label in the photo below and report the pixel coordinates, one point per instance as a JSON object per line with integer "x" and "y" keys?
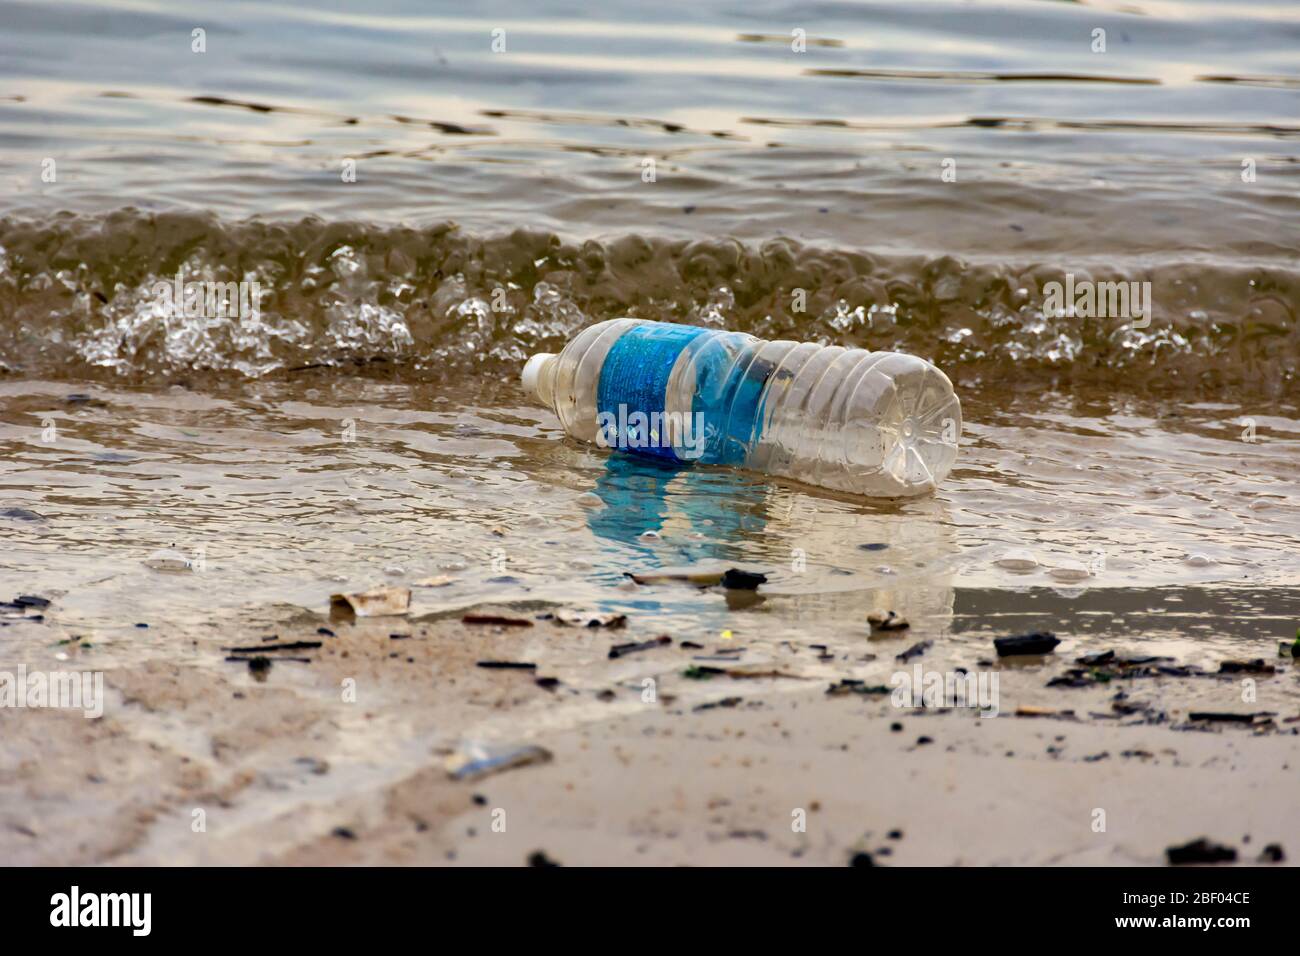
{"x": 630, "y": 413}
{"x": 725, "y": 416}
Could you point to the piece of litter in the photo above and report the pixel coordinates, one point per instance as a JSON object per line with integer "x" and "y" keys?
{"x": 1200, "y": 851}
{"x": 739, "y": 580}
{"x": 620, "y": 650}
{"x": 169, "y": 559}
{"x": 1227, "y": 717}
{"x": 496, "y": 619}
{"x": 1030, "y": 711}
{"x": 916, "y": 650}
{"x": 377, "y": 602}
{"x": 887, "y": 621}
{"x": 287, "y": 646}
{"x": 576, "y": 617}
{"x": 1256, "y": 666}
{"x": 475, "y": 761}
{"x": 437, "y": 581}
{"x": 1037, "y": 643}
{"x": 507, "y": 665}
{"x": 700, "y": 578}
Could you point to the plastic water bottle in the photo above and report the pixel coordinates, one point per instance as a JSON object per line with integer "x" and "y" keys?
{"x": 883, "y": 424}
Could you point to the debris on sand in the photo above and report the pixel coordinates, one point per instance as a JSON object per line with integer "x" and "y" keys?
{"x": 475, "y": 760}
{"x": 539, "y": 858}
{"x": 577, "y": 617}
{"x": 1200, "y": 851}
{"x": 851, "y": 686}
{"x": 377, "y": 602}
{"x": 1097, "y": 659}
{"x": 1037, "y": 643}
{"x": 622, "y": 650}
{"x": 1229, "y": 718}
{"x": 21, "y": 514}
{"x": 19, "y": 606}
{"x": 725, "y": 702}
{"x": 437, "y": 581}
{"x": 1257, "y": 666}
{"x": 695, "y": 672}
{"x": 1105, "y": 666}
{"x": 258, "y": 666}
{"x": 1030, "y": 711}
{"x": 285, "y": 646}
{"x": 916, "y": 650}
{"x": 496, "y": 619}
{"x": 887, "y": 621}
{"x": 754, "y": 671}
{"x": 507, "y": 665}
{"x": 1272, "y": 854}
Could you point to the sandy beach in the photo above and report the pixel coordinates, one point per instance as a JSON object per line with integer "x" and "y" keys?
{"x": 766, "y": 770}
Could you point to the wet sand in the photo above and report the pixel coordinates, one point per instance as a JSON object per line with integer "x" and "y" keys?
{"x": 712, "y": 772}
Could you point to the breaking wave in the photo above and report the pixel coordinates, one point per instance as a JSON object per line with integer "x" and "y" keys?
{"x": 86, "y": 297}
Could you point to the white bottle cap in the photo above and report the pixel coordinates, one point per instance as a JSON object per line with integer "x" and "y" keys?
{"x": 533, "y": 371}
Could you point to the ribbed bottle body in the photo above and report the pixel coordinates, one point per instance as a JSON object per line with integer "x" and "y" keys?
{"x": 883, "y": 424}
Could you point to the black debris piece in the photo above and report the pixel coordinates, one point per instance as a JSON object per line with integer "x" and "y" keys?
{"x": 737, "y": 580}
{"x": 916, "y": 650}
{"x": 695, "y": 672}
{"x": 496, "y": 619}
{"x": 725, "y": 702}
{"x": 1226, "y": 717}
{"x": 287, "y": 646}
{"x": 621, "y": 650}
{"x": 1257, "y": 666}
{"x": 1036, "y": 643}
{"x": 1200, "y": 851}
{"x": 852, "y": 686}
{"x": 1096, "y": 660}
{"x": 507, "y": 665}
{"x": 1272, "y": 854}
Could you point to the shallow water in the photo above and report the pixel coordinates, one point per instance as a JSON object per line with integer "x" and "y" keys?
{"x": 500, "y": 205}
{"x": 281, "y": 493}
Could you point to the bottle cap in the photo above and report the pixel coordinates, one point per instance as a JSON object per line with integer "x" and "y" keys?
{"x": 533, "y": 371}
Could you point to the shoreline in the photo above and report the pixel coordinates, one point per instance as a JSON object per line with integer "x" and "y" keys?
{"x": 713, "y": 772}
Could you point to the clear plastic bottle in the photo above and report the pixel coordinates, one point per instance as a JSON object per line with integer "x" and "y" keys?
{"x": 883, "y": 424}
